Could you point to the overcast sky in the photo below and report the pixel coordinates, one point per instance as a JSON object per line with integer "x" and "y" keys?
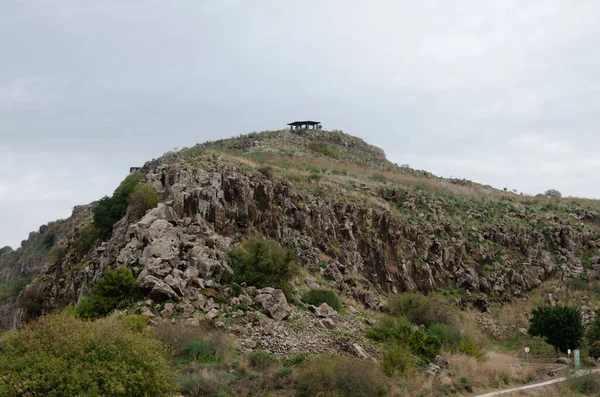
{"x": 502, "y": 92}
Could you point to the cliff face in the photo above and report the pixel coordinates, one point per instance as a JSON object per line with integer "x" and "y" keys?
{"x": 19, "y": 267}
{"x": 367, "y": 225}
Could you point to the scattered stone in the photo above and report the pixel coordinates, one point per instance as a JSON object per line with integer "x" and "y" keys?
{"x": 441, "y": 362}
{"x": 516, "y": 368}
{"x": 327, "y": 323}
{"x": 274, "y": 302}
{"x": 312, "y": 283}
{"x": 192, "y": 321}
{"x": 433, "y": 370}
{"x": 146, "y": 312}
{"x": 245, "y": 299}
{"x": 237, "y": 314}
{"x": 358, "y": 351}
{"x": 325, "y": 310}
{"x": 212, "y": 314}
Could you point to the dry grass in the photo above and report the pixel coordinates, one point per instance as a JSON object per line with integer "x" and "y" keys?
{"x": 243, "y": 160}
{"x": 431, "y": 184}
{"x": 493, "y": 371}
{"x": 515, "y": 313}
{"x": 417, "y": 385}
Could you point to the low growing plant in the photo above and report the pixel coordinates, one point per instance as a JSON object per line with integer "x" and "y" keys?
{"x": 59, "y": 355}
{"x": 316, "y": 297}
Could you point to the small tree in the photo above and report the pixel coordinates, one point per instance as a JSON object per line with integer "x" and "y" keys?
{"x": 552, "y": 193}
{"x": 262, "y": 263}
{"x": 560, "y": 326}
{"x": 109, "y": 210}
{"x": 143, "y": 198}
{"x": 111, "y": 289}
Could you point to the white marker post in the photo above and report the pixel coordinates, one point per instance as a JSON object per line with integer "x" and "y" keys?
{"x": 527, "y": 354}
{"x": 568, "y": 353}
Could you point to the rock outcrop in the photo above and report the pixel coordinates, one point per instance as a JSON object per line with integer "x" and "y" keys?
{"x": 392, "y": 239}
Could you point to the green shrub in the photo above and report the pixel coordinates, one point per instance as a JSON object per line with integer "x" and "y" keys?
{"x": 109, "y": 210}
{"x": 59, "y": 355}
{"x": 398, "y": 357}
{"x": 135, "y": 322}
{"x": 465, "y": 383}
{"x": 578, "y": 284}
{"x": 200, "y": 351}
{"x": 9, "y": 291}
{"x": 399, "y": 330}
{"x": 470, "y": 347}
{"x": 296, "y": 359}
{"x": 337, "y": 377}
{"x": 594, "y": 351}
{"x": 143, "y": 198}
{"x": 111, "y": 289}
{"x": 420, "y": 309}
{"x": 262, "y": 262}
{"x": 56, "y": 254}
{"x": 317, "y": 297}
{"x": 423, "y": 346}
{"x": 449, "y": 337}
{"x": 390, "y": 328}
{"x": 49, "y": 237}
{"x": 325, "y": 149}
{"x": 236, "y": 289}
{"x": 261, "y": 359}
{"x": 86, "y": 237}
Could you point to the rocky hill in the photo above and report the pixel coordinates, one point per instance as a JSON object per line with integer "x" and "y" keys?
{"x": 369, "y": 226}
{"x": 358, "y": 226}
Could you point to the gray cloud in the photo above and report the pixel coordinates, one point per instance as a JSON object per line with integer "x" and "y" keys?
{"x": 502, "y": 92}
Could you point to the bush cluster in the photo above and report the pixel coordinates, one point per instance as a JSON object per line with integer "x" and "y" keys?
{"x": 262, "y": 262}
{"x": 560, "y": 326}
{"x": 401, "y": 338}
{"x": 420, "y": 309}
{"x": 9, "y": 291}
{"x": 343, "y": 376}
{"x": 112, "y": 288}
{"x": 86, "y": 237}
{"x": 143, "y": 198}
{"x": 317, "y": 297}
{"x": 325, "y": 149}
{"x": 454, "y": 341}
{"x": 59, "y": 355}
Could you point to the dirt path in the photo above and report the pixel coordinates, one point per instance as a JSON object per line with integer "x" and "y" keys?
{"x": 537, "y": 385}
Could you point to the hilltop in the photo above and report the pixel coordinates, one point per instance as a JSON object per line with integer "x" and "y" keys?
{"x": 357, "y": 225}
